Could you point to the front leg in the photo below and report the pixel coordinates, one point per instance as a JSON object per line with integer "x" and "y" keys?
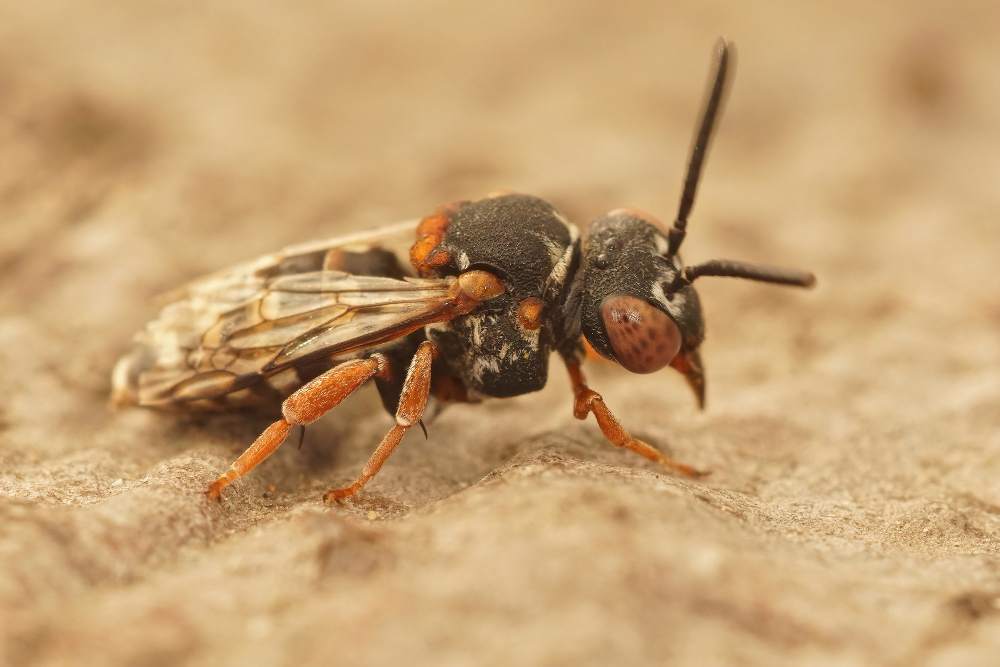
{"x": 586, "y": 400}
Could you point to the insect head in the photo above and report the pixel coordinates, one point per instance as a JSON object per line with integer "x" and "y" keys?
{"x": 634, "y": 296}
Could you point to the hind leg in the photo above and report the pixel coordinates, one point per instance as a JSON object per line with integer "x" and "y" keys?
{"x": 412, "y": 402}
{"x": 306, "y": 405}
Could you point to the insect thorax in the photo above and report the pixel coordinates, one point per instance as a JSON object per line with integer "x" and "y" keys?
{"x": 533, "y": 249}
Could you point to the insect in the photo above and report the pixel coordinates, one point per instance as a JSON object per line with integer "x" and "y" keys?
{"x": 467, "y": 304}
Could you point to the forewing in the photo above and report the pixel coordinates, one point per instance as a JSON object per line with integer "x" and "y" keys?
{"x": 224, "y": 336}
{"x": 225, "y": 332}
{"x": 382, "y": 251}
{"x": 327, "y": 313}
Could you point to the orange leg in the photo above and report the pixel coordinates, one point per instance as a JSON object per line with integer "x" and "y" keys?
{"x": 412, "y": 401}
{"x": 306, "y": 405}
{"x": 586, "y": 400}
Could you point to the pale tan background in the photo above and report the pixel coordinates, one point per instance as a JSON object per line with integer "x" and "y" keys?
{"x": 853, "y": 513}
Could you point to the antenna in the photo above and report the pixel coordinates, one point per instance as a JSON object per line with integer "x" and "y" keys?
{"x": 730, "y": 268}
{"x": 708, "y": 116}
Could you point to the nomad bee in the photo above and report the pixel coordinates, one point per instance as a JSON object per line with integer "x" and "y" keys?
{"x": 469, "y": 309}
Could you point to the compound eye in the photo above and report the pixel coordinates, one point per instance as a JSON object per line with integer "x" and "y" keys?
{"x": 643, "y": 337}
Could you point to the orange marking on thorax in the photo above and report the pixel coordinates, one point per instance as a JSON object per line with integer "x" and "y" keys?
{"x": 430, "y": 233}
{"x": 480, "y": 285}
{"x": 529, "y": 313}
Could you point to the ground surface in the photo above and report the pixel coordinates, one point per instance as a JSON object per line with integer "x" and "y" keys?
{"x": 853, "y": 512}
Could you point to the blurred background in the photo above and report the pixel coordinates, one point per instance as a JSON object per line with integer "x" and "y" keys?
{"x": 853, "y": 432}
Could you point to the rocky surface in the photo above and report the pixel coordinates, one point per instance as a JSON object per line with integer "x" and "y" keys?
{"x": 853, "y": 433}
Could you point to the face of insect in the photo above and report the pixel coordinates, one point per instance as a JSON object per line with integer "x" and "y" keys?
{"x": 626, "y": 311}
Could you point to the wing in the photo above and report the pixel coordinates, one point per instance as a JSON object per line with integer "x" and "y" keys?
{"x": 264, "y": 318}
{"x": 229, "y": 333}
{"x": 380, "y": 252}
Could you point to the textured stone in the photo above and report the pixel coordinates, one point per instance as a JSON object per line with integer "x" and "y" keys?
{"x": 853, "y": 433}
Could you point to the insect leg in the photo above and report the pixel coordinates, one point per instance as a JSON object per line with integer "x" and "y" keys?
{"x": 411, "y": 406}
{"x": 306, "y": 405}
{"x": 586, "y": 400}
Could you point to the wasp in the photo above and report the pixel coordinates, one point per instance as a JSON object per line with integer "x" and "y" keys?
{"x": 466, "y": 304}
